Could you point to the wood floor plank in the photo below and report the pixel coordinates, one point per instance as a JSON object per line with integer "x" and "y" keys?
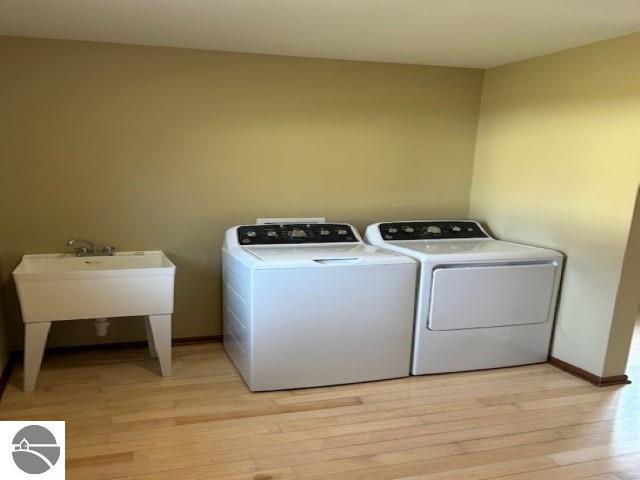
{"x": 630, "y": 474}
{"x": 112, "y": 458}
{"x": 487, "y": 471}
{"x": 480, "y": 459}
{"x": 595, "y": 453}
{"x": 582, "y": 470}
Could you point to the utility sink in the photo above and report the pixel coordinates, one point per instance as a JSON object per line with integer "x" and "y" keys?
{"x": 58, "y": 287}
{"x": 65, "y": 287}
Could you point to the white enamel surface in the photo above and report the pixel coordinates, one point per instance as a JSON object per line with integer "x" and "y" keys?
{"x": 320, "y": 323}
{"x": 316, "y": 255}
{"x": 493, "y": 296}
{"x": 63, "y": 287}
{"x": 67, "y": 266}
{"x": 467, "y": 33}
{"x": 479, "y": 321}
{"x": 35, "y": 340}
{"x": 469, "y": 249}
{"x": 324, "y": 253}
{"x": 159, "y": 328}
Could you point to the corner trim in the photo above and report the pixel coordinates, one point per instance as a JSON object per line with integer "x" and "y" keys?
{"x": 588, "y": 376}
{"x": 6, "y": 372}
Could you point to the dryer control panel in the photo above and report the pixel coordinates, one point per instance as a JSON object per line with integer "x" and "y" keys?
{"x": 431, "y": 230}
{"x": 296, "y": 234}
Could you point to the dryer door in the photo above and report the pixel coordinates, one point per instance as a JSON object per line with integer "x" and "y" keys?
{"x": 490, "y": 296}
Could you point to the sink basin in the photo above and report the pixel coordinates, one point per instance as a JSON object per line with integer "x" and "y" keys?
{"x": 61, "y": 287}
{"x": 65, "y": 287}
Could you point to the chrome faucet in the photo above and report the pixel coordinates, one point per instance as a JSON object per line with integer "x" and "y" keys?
{"x": 89, "y": 248}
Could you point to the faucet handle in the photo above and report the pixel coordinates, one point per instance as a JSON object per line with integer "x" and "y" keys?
{"x": 108, "y": 249}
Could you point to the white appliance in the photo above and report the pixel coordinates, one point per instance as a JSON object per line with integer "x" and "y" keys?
{"x": 481, "y": 302}
{"x": 310, "y": 304}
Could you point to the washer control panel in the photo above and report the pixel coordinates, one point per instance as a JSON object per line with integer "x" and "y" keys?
{"x": 295, "y": 234}
{"x": 431, "y": 230}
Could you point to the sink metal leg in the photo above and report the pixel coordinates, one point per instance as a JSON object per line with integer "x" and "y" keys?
{"x": 34, "y": 342}
{"x": 152, "y": 347}
{"x": 160, "y": 326}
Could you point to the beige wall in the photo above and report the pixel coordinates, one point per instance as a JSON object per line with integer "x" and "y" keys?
{"x": 158, "y": 148}
{"x": 558, "y": 164}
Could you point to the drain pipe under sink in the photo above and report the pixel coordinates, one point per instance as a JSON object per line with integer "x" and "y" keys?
{"x": 102, "y": 325}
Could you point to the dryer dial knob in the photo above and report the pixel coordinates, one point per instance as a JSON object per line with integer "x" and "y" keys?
{"x": 298, "y": 233}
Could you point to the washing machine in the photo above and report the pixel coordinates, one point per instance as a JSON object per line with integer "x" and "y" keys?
{"x": 310, "y": 304}
{"x": 481, "y": 302}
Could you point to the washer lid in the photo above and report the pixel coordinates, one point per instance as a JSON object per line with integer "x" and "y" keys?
{"x": 470, "y": 249}
{"x": 319, "y": 255}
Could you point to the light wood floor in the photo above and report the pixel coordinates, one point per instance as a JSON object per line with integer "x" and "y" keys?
{"x": 125, "y": 422}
